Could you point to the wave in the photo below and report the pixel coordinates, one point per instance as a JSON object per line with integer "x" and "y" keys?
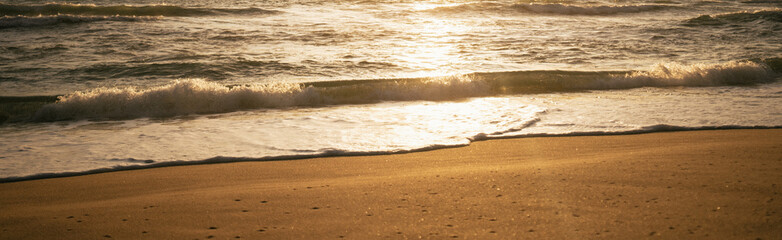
{"x": 121, "y": 10}
{"x": 566, "y": 9}
{"x": 550, "y": 8}
{"x": 23, "y": 21}
{"x": 771, "y": 15}
{"x": 467, "y": 7}
{"x": 760, "y": 1}
{"x": 146, "y": 164}
{"x": 697, "y": 75}
{"x": 197, "y": 96}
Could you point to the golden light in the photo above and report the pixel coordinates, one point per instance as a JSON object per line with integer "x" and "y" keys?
{"x": 424, "y": 6}
{"x": 434, "y": 48}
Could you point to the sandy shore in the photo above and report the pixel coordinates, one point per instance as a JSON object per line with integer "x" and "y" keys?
{"x": 678, "y": 185}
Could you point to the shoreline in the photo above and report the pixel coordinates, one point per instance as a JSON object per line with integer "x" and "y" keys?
{"x": 480, "y": 138}
{"x": 683, "y": 184}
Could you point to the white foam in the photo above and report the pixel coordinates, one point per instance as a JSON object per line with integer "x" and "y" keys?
{"x": 197, "y": 96}
{"x": 80, "y": 147}
{"x": 383, "y": 128}
{"x": 178, "y": 98}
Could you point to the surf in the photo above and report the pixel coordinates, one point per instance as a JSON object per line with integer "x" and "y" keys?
{"x": 198, "y": 96}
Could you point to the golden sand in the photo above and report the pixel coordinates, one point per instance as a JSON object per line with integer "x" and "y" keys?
{"x": 679, "y": 185}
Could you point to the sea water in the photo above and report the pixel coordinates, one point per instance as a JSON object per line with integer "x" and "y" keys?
{"x": 97, "y": 85}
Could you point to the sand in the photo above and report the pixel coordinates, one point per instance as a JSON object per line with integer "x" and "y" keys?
{"x": 721, "y": 184}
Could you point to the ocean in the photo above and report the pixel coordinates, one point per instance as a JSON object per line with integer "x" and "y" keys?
{"x": 106, "y": 85}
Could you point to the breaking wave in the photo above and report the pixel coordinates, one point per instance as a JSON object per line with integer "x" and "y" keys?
{"x": 121, "y": 10}
{"x": 772, "y": 15}
{"x": 697, "y": 75}
{"x": 23, "y": 21}
{"x": 196, "y": 96}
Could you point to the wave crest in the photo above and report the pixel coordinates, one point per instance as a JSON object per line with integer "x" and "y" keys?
{"x": 697, "y": 75}
{"x": 549, "y": 8}
{"x": 197, "y": 96}
{"x": 121, "y": 10}
{"x": 772, "y": 15}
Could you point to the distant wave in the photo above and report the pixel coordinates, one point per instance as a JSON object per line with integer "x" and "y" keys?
{"x": 195, "y": 96}
{"x": 565, "y": 9}
{"x": 121, "y": 10}
{"x": 23, "y": 21}
{"x": 552, "y": 8}
{"x": 761, "y": 1}
{"x": 468, "y": 7}
{"x": 772, "y": 15}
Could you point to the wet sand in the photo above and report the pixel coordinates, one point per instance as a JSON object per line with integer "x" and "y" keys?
{"x": 721, "y": 184}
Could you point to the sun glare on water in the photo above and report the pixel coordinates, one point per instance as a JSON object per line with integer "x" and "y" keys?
{"x": 434, "y": 45}
{"x": 424, "y": 6}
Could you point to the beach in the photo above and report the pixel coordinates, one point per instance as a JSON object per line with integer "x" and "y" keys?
{"x": 91, "y": 86}
{"x": 426, "y": 119}
{"x": 721, "y": 184}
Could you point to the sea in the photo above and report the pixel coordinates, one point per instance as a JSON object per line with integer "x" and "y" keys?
{"x": 89, "y": 86}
